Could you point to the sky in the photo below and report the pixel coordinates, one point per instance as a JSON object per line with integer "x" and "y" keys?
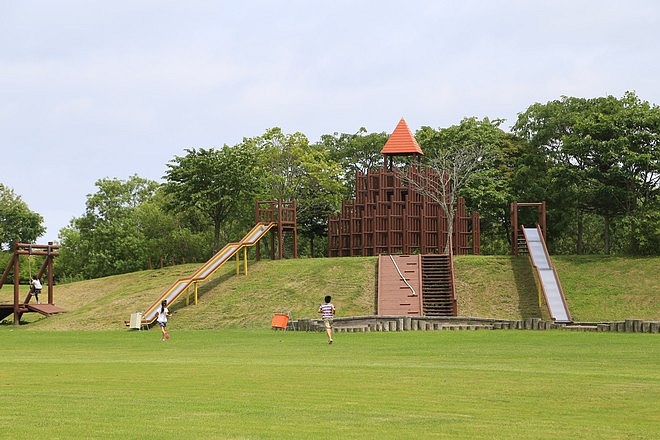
{"x": 111, "y": 89}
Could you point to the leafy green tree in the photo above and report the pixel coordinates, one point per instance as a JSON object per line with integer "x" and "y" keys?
{"x": 125, "y": 225}
{"x": 357, "y": 152}
{"x": 172, "y": 236}
{"x": 465, "y": 156}
{"x": 320, "y": 196}
{"x": 643, "y": 229}
{"x": 108, "y": 239}
{"x": 17, "y": 221}
{"x": 294, "y": 169}
{"x": 602, "y": 154}
{"x": 70, "y": 265}
{"x": 214, "y": 182}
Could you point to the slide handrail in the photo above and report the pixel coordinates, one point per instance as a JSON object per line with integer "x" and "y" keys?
{"x": 396, "y": 266}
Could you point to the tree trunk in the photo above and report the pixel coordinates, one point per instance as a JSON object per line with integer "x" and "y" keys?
{"x": 606, "y": 234}
{"x": 449, "y": 214}
{"x": 634, "y": 233}
{"x": 450, "y": 233}
{"x": 580, "y": 234}
{"x": 216, "y": 237}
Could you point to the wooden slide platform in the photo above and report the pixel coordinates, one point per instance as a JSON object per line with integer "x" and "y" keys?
{"x": 44, "y": 309}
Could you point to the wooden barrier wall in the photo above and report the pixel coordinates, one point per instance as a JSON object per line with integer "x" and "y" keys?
{"x": 387, "y": 216}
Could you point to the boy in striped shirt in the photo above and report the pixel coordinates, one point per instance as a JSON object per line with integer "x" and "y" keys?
{"x": 327, "y": 312}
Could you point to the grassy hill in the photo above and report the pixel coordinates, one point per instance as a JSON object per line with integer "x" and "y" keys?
{"x": 597, "y": 288}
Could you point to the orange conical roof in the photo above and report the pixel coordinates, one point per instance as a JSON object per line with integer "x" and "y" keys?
{"x": 401, "y": 141}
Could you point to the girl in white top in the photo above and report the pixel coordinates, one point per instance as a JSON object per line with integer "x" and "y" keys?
{"x": 163, "y": 314}
{"x": 35, "y": 287}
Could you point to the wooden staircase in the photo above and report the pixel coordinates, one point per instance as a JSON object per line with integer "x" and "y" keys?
{"x": 416, "y": 285}
{"x": 399, "y": 285}
{"x": 438, "y": 293}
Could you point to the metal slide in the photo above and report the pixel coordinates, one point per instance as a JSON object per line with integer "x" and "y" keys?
{"x": 207, "y": 269}
{"x": 547, "y": 275}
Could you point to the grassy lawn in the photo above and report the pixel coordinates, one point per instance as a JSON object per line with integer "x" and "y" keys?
{"x": 597, "y": 288}
{"x": 614, "y": 288}
{"x": 260, "y": 384}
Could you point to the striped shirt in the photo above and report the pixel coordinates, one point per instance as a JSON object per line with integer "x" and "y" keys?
{"x": 327, "y": 310}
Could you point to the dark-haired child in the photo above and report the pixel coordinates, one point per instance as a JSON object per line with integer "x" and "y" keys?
{"x": 327, "y": 311}
{"x": 163, "y": 314}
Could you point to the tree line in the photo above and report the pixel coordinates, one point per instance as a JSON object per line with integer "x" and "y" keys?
{"x": 594, "y": 161}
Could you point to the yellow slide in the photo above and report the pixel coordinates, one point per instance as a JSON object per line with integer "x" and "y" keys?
{"x": 207, "y": 269}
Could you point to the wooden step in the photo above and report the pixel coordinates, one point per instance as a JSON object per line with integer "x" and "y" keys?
{"x": 437, "y": 285}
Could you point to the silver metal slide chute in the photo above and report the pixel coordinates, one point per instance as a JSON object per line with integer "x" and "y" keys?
{"x": 554, "y": 296}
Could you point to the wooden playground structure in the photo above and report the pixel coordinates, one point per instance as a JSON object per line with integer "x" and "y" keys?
{"x": 390, "y": 216}
{"x": 517, "y": 240}
{"x": 284, "y": 214}
{"x": 276, "y": 217}
{"x": 408, "y": 230}
{"x": 18, "y": 308}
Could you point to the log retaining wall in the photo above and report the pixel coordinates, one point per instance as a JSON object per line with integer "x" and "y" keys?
{"x": 434, "y": 323}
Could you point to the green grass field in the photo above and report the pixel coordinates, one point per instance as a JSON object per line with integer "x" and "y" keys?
{"x": 261, "y": 384}
{"x": 226, "y": 375}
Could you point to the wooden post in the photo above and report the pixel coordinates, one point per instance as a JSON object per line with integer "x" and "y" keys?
{"x": 476, "y": 233}
{"x": 17, "y": 316}
{"x": 514, "y": 226}
{"x": 257, "y": 215}
{"x": 295, "y": 230}
{"x": 49, "y": 258}
{"x": 541, "y": 222}
{"x": 542, "y": 219}
{"x": 245, "y": 262}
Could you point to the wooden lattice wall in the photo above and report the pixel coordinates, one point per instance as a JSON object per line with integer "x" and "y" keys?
{"x": 387, "y": 216}
{"x": 284, "y": 214}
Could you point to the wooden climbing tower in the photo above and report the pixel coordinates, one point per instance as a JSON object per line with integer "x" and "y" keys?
{"x": 387, "y": 216}
{"x": 284, "y": 214}
{"x": 408, "y": 231}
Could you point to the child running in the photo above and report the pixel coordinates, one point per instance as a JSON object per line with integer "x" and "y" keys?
{"x": 163, "y": 314}
{"x": 327, "y": 312}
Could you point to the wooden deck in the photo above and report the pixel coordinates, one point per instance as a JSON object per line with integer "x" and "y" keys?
{"x": 43, "y": 309}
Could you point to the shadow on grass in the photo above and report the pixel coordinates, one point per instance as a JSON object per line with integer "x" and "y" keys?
{"x": 205, "y": 287}
{"x": 523, "y": 274}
